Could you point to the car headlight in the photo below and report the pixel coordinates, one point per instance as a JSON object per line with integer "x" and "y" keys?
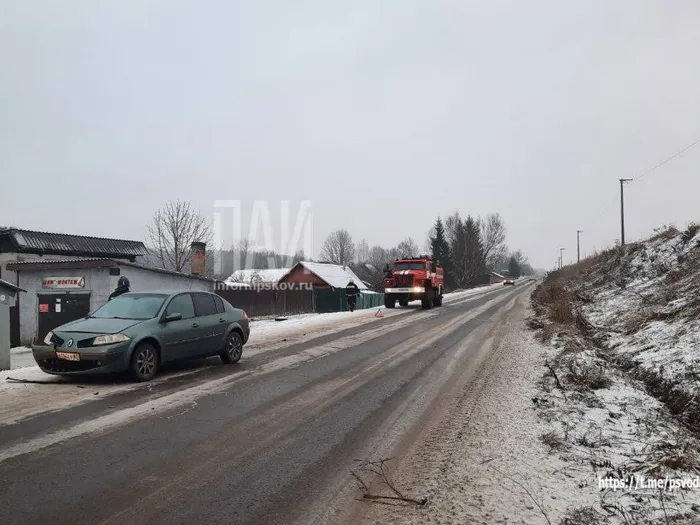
{"x": 109, "y": 339}
{"x": 47, "y": 339}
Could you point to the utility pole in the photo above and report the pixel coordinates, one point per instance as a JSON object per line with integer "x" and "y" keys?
{"x": 622, "y": 210}
{"x": 561, "y": 257}
{"x": 578, "y": 245}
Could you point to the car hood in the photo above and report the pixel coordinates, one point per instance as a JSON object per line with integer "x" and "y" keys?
{"x": 98, "y": 326}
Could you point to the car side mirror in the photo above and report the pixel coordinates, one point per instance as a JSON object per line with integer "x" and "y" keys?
{"x": 172, "y": 317}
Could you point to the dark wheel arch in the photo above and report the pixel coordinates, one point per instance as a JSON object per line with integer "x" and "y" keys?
{"x": 149, "y": 341}
{"x": 144, "y": 352}
{"x": 225, "y": 355}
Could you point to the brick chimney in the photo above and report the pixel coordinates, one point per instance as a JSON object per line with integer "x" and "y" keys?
{"x": 198, "y": 258}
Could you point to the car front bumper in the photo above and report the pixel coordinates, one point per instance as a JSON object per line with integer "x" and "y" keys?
{"x": 107, "y": 360}
{"x": 412, "y": 289}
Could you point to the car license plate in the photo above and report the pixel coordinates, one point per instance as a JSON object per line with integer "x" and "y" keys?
{"x": 68, "y": 356}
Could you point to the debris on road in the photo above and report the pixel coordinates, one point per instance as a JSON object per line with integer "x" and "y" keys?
{"x": 380, "y": 471}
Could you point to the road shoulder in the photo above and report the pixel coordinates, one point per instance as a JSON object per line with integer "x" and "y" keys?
{"x": 481, "y": 459}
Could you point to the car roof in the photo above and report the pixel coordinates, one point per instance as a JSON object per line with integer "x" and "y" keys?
{"x": 167, "y": 293}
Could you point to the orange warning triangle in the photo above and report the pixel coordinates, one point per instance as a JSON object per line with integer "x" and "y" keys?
{"x": 379, "y": 313}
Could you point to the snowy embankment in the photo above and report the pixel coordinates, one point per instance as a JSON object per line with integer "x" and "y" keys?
{"x": 27, "y": 391}
{"x": 647, "y": 312}
{"x": 619, "y": 387}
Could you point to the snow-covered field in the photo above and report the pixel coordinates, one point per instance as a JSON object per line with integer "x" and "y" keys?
{"x": 27, "y": 391}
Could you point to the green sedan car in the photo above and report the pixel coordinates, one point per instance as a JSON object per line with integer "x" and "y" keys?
{"x": 140, "y": 331}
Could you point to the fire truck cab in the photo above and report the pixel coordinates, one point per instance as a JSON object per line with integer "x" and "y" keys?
{"x": 413, "y": 279}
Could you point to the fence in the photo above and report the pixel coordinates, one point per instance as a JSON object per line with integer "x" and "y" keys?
{"x": 334, "y": 300}
{"x": 257, "y": 303}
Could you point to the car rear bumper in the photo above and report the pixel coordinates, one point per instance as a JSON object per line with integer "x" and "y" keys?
{"x": 108, "y": 360}
{"x": 245, "y": 327}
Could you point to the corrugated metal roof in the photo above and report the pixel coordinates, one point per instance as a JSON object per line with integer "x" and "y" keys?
{"x": 37, "y": 264}
{"x": 334, "y": 274}
{"x": 59, "y": 261}
{"x": 65, "y": 244}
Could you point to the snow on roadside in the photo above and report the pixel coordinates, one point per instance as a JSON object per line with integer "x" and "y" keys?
{"x": 602, "y": 425}
{"x": 46, "y": 392}
{"x": 21, "y": 357}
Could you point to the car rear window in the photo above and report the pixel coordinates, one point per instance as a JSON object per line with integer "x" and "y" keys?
{"x": 204, "y": 304}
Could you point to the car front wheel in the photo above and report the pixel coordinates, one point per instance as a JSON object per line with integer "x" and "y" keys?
{"x": 233, "y": 349}
{"x": 144, "y": 362}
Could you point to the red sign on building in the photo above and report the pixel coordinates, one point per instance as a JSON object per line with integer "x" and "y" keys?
{"x": 43, "y": 308}
{"x": 63, "y": 282}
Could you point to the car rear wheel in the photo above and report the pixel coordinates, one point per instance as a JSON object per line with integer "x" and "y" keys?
{"x": 144, "y": 362}
{"x": 234, "y": 348}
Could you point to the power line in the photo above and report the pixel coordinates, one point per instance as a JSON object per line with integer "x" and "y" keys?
{"x": 607, "y": 208}
{"x": 694, "y": 143}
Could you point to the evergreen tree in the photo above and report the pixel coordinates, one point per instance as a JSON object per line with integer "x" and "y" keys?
{"x": 440, "y": 252}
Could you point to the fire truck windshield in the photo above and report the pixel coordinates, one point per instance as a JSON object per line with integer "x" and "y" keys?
{"x": 409, "y": 266}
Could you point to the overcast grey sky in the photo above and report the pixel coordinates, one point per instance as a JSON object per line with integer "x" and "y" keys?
{"x": 383, "y": 113}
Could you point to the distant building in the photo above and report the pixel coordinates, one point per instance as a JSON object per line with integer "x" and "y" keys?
{"x": 487, "y": 278}
{"x": 322, "y": 275}
{"x": 252, "y": 276}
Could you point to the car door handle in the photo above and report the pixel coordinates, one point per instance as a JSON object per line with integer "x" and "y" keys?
{"x": 222, "y": 320}
{"x": 195, "y": 325}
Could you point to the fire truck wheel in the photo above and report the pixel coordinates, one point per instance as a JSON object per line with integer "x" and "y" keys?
{"x": 427, "y": 301}
{"x": 437, "y": 301}
{"x": 389, "y": 301}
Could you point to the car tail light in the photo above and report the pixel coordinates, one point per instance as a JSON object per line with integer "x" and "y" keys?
{"x": 245, "y": 316}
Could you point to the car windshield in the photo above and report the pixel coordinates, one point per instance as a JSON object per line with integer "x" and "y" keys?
{"x": 131, "y": 306}
{"x": 409, "y": 266}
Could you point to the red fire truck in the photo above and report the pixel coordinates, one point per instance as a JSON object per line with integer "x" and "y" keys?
{"x": 412, "y": 279}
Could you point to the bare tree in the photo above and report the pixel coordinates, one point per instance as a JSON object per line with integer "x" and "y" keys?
{"x": 378, "y": 258}
{"x": 519, "y": 257}
{"x": 338, "y": 248}
{"x": 453, "y": 227}
{"x": 493, "y": 236}
{"x": 408, "y": 248}
{"x": 362, "y": 252}
{"x": 173, "y": 230}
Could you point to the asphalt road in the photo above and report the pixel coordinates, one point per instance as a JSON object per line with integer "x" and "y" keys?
{"x": 272, "y": 440}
